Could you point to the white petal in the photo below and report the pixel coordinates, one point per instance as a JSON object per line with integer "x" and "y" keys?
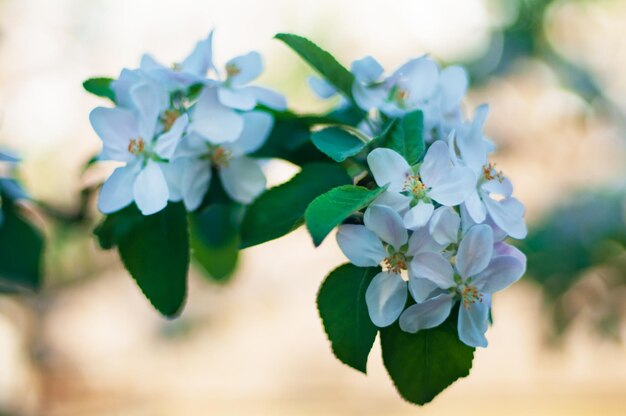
{"x": 145, "y": 98}
{"x": 420, "y": 288}
{"x": 148, "y": 63}
{"x": 419, "y": 215}
{"x": 237, "y": 98}
{"x": 473, "y": 323}
{"x": 191, "y": 146}
{"x": 269, "y": 98}
{"x": 167, "y": 142}
{"x": 419, "y": 79}
{"x": 426, "y": 315}
{"x": 501, "y": 273}
{"x": 196, "y": 181}
{"x": 472, "y": 145}
{"x": 475, "y": 251}
{"x": 422, "y": 241}
{"x": 214, "y": 121}
{"x": 386, "y": 224}
{"x": 436, "y": 164}
{"x": 321, "y": 87}
{"x": 434, "y": 267}
{"x": 256, "y": 128}
{"x": 453, "y": 83}
{"x": 243, "y": 179}
{"x": 248, "y": 67}
{"x": 453, "y": 187}
{"x": 201, "y": 58}
{"x": 174, "y": 172}
{"x": 508, "y": 214}
{"x": 399, "y": 202}
{"x": 367, "y": 70}
{"x": 150, "y": 189}
{"x": 388, "y": 167}
{"x": 368, "y": 97}
{"x": 444, "y": 225}
{"x": 361, "y": 246}
{"x": 475, "y": 207}
{"x": 385, "y": 298}
{"x": 117, "y": 191}
{"x": 504, "y": 249}
{"x": 115, "y": 127}
{"x": 502, "y": 188}
{"x": 122, "y": 85}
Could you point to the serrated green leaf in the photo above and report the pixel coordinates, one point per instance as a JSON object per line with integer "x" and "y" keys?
{"x": 329, "y": 210}
{"x": 100, "y": 87}
{"x": 215, "y": 240}
{"x": 407, "y": 137}
{"x": 422, "y": 365}
{"x": 280, "y": 210}
{"x": 322, "y": 61}
{"x": 342, "y": 307}
{"x": 21, "y": 250}
{"x": 337, "y": 143}
{"x": 156, "y": 253}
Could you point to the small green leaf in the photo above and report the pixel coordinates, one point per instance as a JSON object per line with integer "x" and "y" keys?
{"x": 100, "y": 87}
{"x": 322, "y": 61}
{"x": 21, "y": 249}
{"x": 280, "y": 210}
{"x": 337, "y": 143}
{"x": 328, "y": 210}
{"x": 156, "y": 253}
{"x": 407, "y": 137}
{"x": 342, "y": 307}
{"x": 215, "y": 240}
{"x": 422, "y": 365}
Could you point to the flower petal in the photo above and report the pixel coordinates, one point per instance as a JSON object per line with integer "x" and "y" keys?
{"x": 368, "y": 97}
{"x": 453, "y": 187}
{"x": 436, "y": 164}
{"x": 243, "y": 179}
{"x": 388, "y": 167}
{"x": 269, "y": 98}
{"x": 422, "y": 241}
{"x": 200, "y": 60}
{"x": 426, "y": 315}
{"x": 214, "y": 121}
{"x": 115, "y": 127}
{"x": 472, "y": 145}
{"x": 321, "y": 87}
{"x": 475, "y": 207}
{"x": 367, "y": 70}
{"x": 453, "y": 83}
{"x": 145, "y": 98}
{"x": 419, "y": 215}
{"x": 502, "y": 272}
{"x": 508, "y": 214}
{"x": 360, "y": 245}
{"x": 475, "y": 251}
{"x": 444, "y": 225}
{"x": 195, "y": 183}
{"x": 399, "y": 202}
{"x": 434, "y": 267}
{"x": 237, "y": 98}
{"x": 150, "y": 189}
{"x": 473, "y": 323}
{"x": 385, "y": 298}
{"x": 117, "y": 191}
{"x": 244, "y": 68}
{"x": 420, "y": 288}
{"x": 419, "y": 78}
{"x": 257, "y": 126}
{"x": 386, "y": 224}
{"x": 167, "y": 142}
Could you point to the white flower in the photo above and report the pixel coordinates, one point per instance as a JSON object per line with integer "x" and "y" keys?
{"x": 492, "y": 193}
{"x": 412, "y": 191}
{"x": 369, "y": 89}
{"x": 219, "y": 139}
{"x": 137, "y": 138}
{"x": 480, "y": 270}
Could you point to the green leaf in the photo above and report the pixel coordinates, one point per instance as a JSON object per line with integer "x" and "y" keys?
{"x": 21, "y": 249}
{"x": 407, "y": 137}
{"x": 215, "y": 240}
{"x": 422, "y": 365}
{"x": 100, "y": 87}
{"x": 156, "y": 253}
{"x": 323, "y": 62}
{"x": 330, "y": 209}
{"x": 337, "y": 143}
{"x": 280, "y": 210}
{"x": 117, "y": 225}
{"x": 341, "y": 304}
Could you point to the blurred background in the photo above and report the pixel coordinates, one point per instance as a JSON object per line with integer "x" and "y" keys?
{"x": 554, "y": 73}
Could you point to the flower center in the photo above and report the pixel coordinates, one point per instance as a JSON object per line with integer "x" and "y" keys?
{"x": 396, "y": 262}
{"x": 490, "y": 173}
{"x": 169, "y": 118}
{"x": 220, "y": 157}
{"x": 136, "y": 146}
{"x": 469, "y": 295}
{"x": 232, "y": 70}
{"x": 415, "y": 186}
{"x": 401, "y": 95}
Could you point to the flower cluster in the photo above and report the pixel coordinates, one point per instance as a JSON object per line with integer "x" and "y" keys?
{"x": 174, "y": 127}
{"x": 439, "y": 227}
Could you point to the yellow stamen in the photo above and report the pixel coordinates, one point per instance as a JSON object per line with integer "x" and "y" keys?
{"x": 136, "y": 146}
{"x": 396, "y": 262}
{"x": 232, "y": 70}
{"x": 490, "y": 173}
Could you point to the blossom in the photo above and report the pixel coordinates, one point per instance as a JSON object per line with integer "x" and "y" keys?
{"x": 218, "y": 140}
{"x": 369, "y": 89}
{"x": 414, "y": 190}
{"x": 480, "y": 269}
{"x": 138, "y": 138}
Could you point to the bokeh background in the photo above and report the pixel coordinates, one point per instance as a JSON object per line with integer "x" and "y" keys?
{"x": 554, "y": 73}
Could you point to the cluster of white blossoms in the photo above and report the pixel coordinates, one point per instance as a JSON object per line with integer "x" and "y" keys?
{"x": 173, "y": 127}
{"x": 439, "y": 227}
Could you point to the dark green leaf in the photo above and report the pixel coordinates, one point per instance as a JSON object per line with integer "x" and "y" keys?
{"x": 337, "y": 143}
{"x": 322, "y": 61}
{"x": 407, "y": 137}
{"x": 117, "y": 225}
{"x": 21, "y": 249}
{"x": 341, "y": 304}
{"x": 422, "y": 365}
{"x": 156, "y": 253}
{"x": 215, "y": 240}
{"x": 330, "y": 209}
{"x": 280, "y": 210}
{"x": 100, "y": 87}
